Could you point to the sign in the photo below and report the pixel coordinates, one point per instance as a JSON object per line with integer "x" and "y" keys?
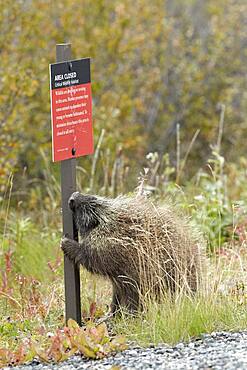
{"x": 71, "y": 109}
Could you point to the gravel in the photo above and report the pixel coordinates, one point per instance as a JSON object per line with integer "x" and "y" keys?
{"x": 221, "y": 350}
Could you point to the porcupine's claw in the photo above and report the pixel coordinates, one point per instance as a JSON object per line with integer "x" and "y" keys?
{"x": 69, "y": 247}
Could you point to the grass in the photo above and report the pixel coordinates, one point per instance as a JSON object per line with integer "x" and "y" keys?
{"x": 36, "y": 250}
{"x": 220, "y": 305}
{"x": 183, "y": 320}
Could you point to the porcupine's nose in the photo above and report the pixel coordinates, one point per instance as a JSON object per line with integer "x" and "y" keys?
{"x": 72, "y": 201}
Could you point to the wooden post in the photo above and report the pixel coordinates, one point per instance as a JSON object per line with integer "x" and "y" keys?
{"x": 68, "y": 186}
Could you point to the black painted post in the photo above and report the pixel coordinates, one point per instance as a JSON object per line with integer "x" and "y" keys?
{"x": 68, "y": 186}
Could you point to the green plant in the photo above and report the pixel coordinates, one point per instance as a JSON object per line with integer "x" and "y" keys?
{"x": 212, "y": 208}
{"x": 92, "y": 341}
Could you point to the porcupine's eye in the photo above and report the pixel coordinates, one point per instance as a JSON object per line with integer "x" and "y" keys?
{"x": 92, "y": 224}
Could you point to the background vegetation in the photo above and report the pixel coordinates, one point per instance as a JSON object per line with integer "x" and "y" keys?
{"x": 153, "y": 65}
{"x": 169, "y": 108}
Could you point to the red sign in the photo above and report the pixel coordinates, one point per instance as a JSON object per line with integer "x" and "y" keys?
{"x": 71, "y": 109}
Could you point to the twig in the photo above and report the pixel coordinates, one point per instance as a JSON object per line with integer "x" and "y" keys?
{"x": 221, "y": 127}
{"x": 95, "y": 159}
{"x": 187, "y": 154}
{"x": 13, "y": 300}
{"x": 178, "y": 151}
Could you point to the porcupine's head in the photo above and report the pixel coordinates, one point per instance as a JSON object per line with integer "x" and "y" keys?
{"x": 87, "y": 211}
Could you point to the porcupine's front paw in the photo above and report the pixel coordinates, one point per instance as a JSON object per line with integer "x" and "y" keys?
{"x": 70, "y": 247}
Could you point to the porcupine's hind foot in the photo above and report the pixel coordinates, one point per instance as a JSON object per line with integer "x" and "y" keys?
{"x": 125, "y": 297}
{"x": 115, "y": 304}
{"x": 71, "y": 248}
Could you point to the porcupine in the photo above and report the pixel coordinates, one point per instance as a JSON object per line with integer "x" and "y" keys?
{"x": 143, "y": 249}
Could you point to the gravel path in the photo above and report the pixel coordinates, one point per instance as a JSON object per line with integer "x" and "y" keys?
{"x": 220, "y": 350}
